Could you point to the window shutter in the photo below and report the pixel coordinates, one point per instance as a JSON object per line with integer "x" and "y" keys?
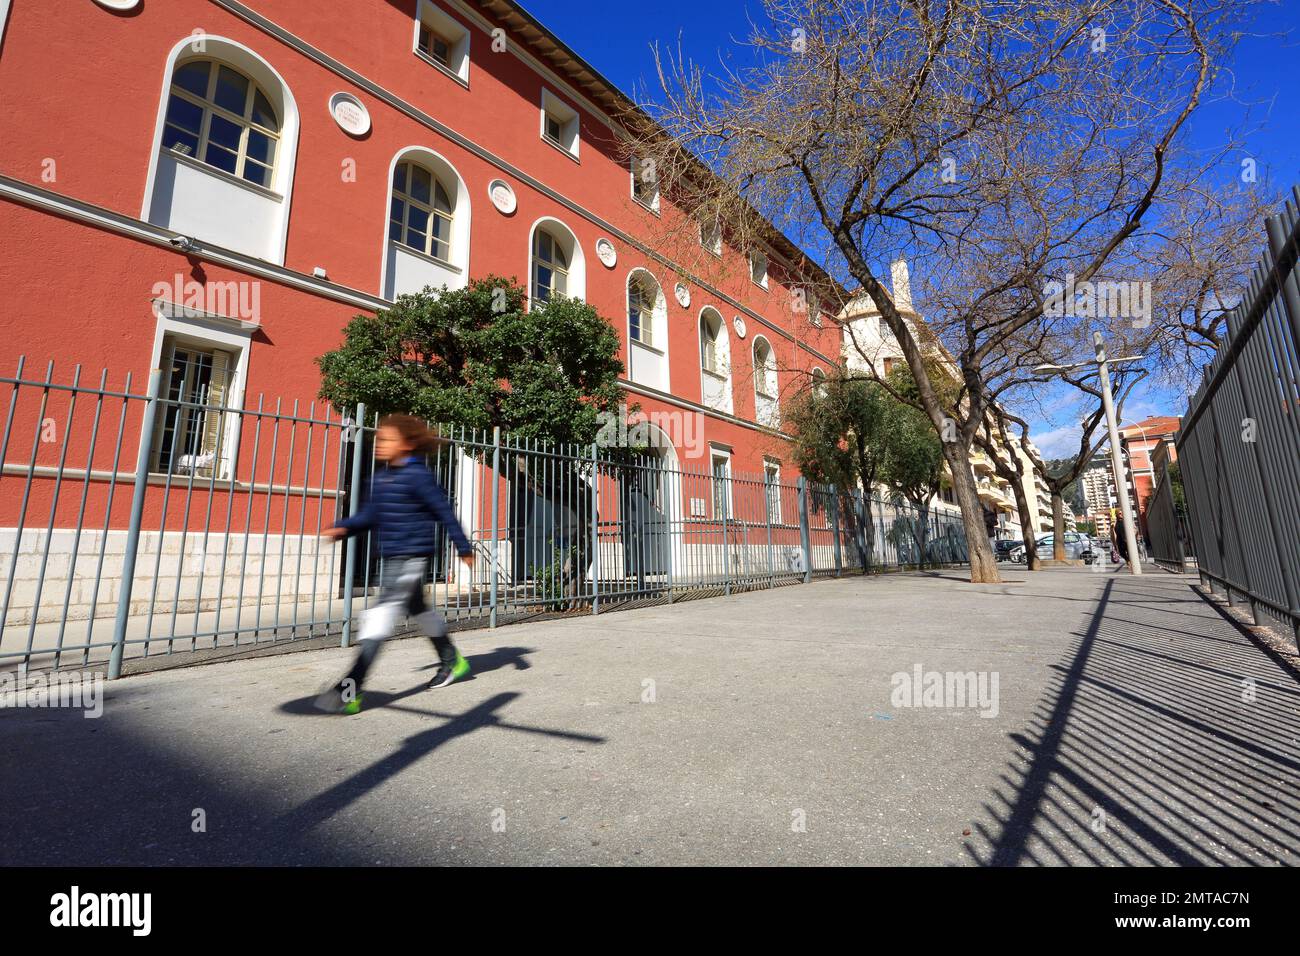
{"x": 212, "y": 450}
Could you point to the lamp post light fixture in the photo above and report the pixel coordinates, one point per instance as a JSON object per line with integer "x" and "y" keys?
{"x": 1108, "y": 404}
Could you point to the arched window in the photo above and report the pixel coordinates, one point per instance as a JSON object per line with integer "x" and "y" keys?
{"x": 420, "y": 212}
{"x": 641, "y": 300}
{"x": 550, "y": 267}
{"x": 426, "y": 224}
{"x": 224, "y": 149}
{"x": 715, "y": 361}
{"x": 647, "y": 330}
{"x": 765, "y": 385}
{"x": 710, "y": 329}
{"x": 219, "y": 116}
{"x": 819, "y": 383}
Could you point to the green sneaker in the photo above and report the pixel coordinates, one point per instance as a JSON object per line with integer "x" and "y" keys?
{"x": 353, "y": 706}
{"x": 461, "y": 667}
{"x": 449, "y": 675}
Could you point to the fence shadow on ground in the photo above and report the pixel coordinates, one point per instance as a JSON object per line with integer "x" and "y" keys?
{"x": 1165, "y": 738}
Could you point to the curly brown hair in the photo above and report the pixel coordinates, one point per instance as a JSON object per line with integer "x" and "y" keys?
{"x": 414, "y": 432}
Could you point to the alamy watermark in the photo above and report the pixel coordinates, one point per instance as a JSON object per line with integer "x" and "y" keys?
{"x": 34, "y": 689}
{"x": 946, "y": 689}
{"x": 231, "y": 299}
{"x": 1104, "y": 298}
{"x": 133, "y": 911}
{"x": 659, "y": 430}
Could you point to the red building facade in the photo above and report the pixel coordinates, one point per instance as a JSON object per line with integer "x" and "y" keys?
{"x": 298, "y": 164}
{"x": 1140, "y": 441}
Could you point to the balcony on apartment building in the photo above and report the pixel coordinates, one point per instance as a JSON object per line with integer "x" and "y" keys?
{"x": 995, "y": 494}
{"x": 981, "y": 463}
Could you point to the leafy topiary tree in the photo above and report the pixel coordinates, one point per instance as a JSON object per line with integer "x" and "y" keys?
{"x": 476, "y": 358}
{"x": 838, "y": 429}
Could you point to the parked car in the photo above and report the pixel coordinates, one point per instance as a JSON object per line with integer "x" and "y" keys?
{"x": 1003, "y": 547}
{"x": 1078, "y": 546}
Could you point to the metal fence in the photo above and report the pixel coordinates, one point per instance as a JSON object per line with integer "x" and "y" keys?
{"x": 1239, "y": 445}
{"x": 142, "y": 522}
{"x": 1171, "y": 541}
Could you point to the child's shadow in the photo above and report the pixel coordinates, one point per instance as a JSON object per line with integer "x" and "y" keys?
{"x": 479, "y": 664}
{"x": 492, "y": 660}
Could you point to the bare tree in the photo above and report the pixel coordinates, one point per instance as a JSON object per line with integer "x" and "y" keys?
{"x": 1200, "y": 263}
{"x": 1000, "y": 146}
{"x": 1124, "y": 379}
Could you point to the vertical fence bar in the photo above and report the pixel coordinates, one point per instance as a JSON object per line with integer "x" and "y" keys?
{"x": 22, "y": 507}
{"x": 108, "y": 514}
{"x": 496, "y": 548}
{"x": 354, "y": 493}
{"x": 595, "y": 529}
{"x": 804, "y": 539}
{"x": 835, "y": 529}
{"x": 133, "y": 525}
{"x": 81, "y": 517}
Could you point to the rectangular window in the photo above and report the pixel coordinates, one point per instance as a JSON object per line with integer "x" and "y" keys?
{"x": 190, "y": 436}
{"x": 559, "y": 123}
{"x": 758, "y": 268}
{"x": 434, "y": 45}
{"x": 721, "y": 466}
{"x": 711, "y": 238}
{"x": 772, "y": 488}
{"x": 645, "y": 184}
{"x": 442, "y": 41}
{"x": 553, "y": 128}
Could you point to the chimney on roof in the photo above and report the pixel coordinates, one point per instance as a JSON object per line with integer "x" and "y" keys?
{"x": 902, "y": 283}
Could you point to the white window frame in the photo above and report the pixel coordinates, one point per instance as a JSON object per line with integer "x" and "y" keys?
{"x": 716, "y": 454}
{"x": 206, "y": 331}
{"x": 557, "y": 246}
{"x": 761, "y": 369}
{"x": 772, "y": 489}
{"x": 754, "y": 259}
{"x": 650, "y": 299}
{"x": 210, "y": 109}
{"x": 567, "y": 239}
{"x": 716, "y": 368}
{"x": 450, "y": 29}
{"x": 653, "y": 205}
{"x": 250, "y": 63}
{"x": 430, "y": 208}
{"x": 712, "y": 248}
{"x": 569, "y": 121}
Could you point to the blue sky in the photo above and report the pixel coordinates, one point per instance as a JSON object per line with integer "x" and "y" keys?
{"x": 1259, "y": 93}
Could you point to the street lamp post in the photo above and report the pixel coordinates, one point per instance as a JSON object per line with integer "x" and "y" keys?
{"x": 1112, "y": 427}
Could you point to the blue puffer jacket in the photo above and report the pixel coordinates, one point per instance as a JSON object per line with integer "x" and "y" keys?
{"x": 405, "y": 508}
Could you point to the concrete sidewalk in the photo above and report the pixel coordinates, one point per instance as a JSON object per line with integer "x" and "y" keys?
{"x": 755, "y": 729}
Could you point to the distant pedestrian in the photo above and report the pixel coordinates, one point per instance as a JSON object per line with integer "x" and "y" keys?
{"x": 1121, "y": 542}
{"x": 403, "y": 512}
